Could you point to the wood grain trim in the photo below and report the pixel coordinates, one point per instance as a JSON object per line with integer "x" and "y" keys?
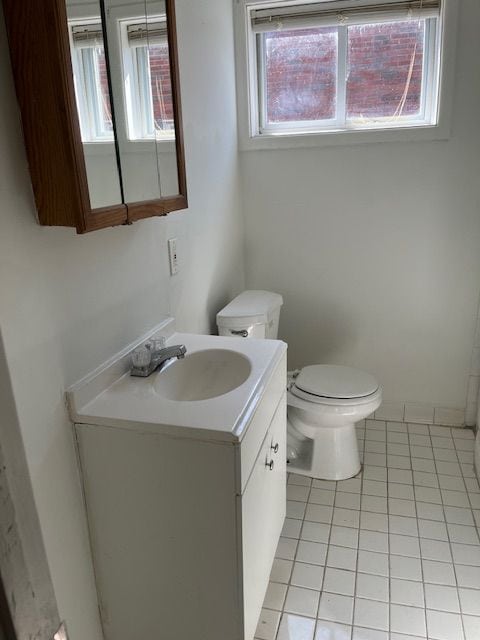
{"x": 176, "y": 98}
{"x": 149, "y": 209}
{"x": 105, "y": 217}
{"x": 40, "y": 56}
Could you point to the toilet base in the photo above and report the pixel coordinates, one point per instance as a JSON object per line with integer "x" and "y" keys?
{"x": 332, "y": 455}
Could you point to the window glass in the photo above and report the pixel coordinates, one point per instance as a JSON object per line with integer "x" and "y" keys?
{"x": 300, "y": 75}
{"x": 385, "y": 70}
{"x": 161, "y": 87}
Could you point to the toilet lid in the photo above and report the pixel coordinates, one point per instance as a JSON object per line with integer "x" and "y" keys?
{"x": 332, "y": 381}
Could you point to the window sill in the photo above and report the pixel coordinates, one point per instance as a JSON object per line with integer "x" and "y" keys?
{"x": 414, "y": 133}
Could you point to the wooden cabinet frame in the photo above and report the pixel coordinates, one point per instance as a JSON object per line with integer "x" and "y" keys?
{"x": 42, "y": 68}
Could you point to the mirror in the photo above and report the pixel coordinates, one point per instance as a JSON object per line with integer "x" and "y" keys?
{"x": 123, "y": 86}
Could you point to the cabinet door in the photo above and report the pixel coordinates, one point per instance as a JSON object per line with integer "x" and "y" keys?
{"x": 263, "y": 507}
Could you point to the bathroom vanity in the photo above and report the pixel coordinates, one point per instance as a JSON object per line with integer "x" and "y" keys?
{"x": 184, "y": 481}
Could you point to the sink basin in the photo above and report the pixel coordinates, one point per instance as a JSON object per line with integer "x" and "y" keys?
{"x": 203, "y": 375}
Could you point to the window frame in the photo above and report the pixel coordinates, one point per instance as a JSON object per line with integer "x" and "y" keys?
{"x": 250, "y": 137}
{"x": 428, "y": 111}
{"x": 89, "y": 102}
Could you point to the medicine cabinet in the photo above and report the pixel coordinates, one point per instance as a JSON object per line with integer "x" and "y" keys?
{"x": 97, "y": 82}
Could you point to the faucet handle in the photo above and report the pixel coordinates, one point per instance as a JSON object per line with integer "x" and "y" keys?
{"x": 156, "y": 344}
{"x": 142, "y": 356}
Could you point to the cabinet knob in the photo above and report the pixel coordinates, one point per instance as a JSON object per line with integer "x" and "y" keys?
{"x": 275, "y": 447}
{"x": 270, "y": 465}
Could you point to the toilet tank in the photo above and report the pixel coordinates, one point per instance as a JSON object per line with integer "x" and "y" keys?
{"x": 252, "y": 314}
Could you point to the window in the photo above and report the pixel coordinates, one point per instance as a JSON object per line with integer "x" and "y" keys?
{"x": 143, "y": 51}
{"x": 91, "y": 83}
{"x": 147, "y": 80}
{"x": 343, "y": 65}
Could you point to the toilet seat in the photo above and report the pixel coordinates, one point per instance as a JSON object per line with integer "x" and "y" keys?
{"x": 334, "y": 384}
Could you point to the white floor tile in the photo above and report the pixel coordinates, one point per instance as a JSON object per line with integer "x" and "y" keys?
{"x": 286, "y": 548}
{"x": 318, "y": 513}
{"x": 463, "y": 534}
{"x": 291, "y": 528}
{"x": 374, "y": 504}
{"x": 444, "y": 626}
{"x": 315, "y": 531}
{"x": 401, "y": 476}
{"x": 296, "y": 628}
{"x": 404, "y": 546}
{"x": 407, "y": 620}
{"x": 374, "y": 488}
{"x": 352, "y": 485}
{"x": 402, "y": 491}
{"x": 346, "y": 517}
{"x": 372, "y": 587}
{"x": 344, "y": 537}
{"x": 373, "y": 541}
{"x": 368, "y": 634}
{"x": 267, "y": 625}
{"x": 430, "y": 511}
{"x": 438, "y": 572}
{"x": 466, "y": 554}
{"x": 442, "y": 598}
{"x": 397, "y": 507}
{"x": 405, "y": 568}
{"x": 281, "y": 570}
{"x": 327, "y": 630}
{"x": 295, "y": 509}
{"x": 472, "y": 627}
{"x": 457, "y": 515}
{"x": 303, "y": 481}
{"x": 309, "y": 576}
{"x": 423, "y": 479}
{"x": 374, "y": 473}
{"x": 435, "y": 550}
{"x": 297, "y": 492}
{"x": 375, "y": 551}
{"x": 403, "y": 526}
{"x": 406, "y": 592}
{"x": 433, "y": 530}
{"x": 322, "y": 496}
{"x": 275, "y": 596}
{"x": 374, "y": 563}
{"x": 336, "y": 608}
{"x": 311, "y": 552}
{"x": 470, "y": 601}
{"x": 339, "y": 581}
{"x": 468, "y": 576}
{"x": 371, "y": 613}
{"x": 374, "y": 521}
{"x": 303, "y": 602}
{"x": 341, "y": 557}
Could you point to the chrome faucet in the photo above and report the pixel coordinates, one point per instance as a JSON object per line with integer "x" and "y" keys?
{"x": 154, "y": 355}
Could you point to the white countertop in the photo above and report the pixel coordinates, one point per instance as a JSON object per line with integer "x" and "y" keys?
{"x": 111, "y": 397}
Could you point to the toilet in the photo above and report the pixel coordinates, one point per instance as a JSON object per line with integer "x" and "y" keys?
{"x": 323, "y": 401}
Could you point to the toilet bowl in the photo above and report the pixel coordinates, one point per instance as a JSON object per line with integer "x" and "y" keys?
{"x": 324, "y": 402}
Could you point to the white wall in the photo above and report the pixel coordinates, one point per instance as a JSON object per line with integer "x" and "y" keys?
{"x": 68, "y": 302}
{"x": 375, "y": 247}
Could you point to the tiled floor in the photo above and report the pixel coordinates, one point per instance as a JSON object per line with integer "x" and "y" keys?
{"x": 393, "y": 554}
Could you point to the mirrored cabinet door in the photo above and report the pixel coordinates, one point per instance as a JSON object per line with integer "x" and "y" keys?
{"x": 111, "y": 148}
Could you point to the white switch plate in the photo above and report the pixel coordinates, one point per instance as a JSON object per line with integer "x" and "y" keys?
{"x": 173, "y": 256}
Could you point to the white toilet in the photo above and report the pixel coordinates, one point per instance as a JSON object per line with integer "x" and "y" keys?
{"x": 324, "y": 401}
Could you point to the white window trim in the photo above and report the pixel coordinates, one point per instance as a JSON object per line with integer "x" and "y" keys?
{"x": 247, "y": 94}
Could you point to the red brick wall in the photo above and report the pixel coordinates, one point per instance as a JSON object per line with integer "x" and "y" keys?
{"x": 161, "y": 86}
{"x": 301, "y": 70}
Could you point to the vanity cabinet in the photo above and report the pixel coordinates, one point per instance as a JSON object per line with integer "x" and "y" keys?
{"x": 183, "y": 526}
